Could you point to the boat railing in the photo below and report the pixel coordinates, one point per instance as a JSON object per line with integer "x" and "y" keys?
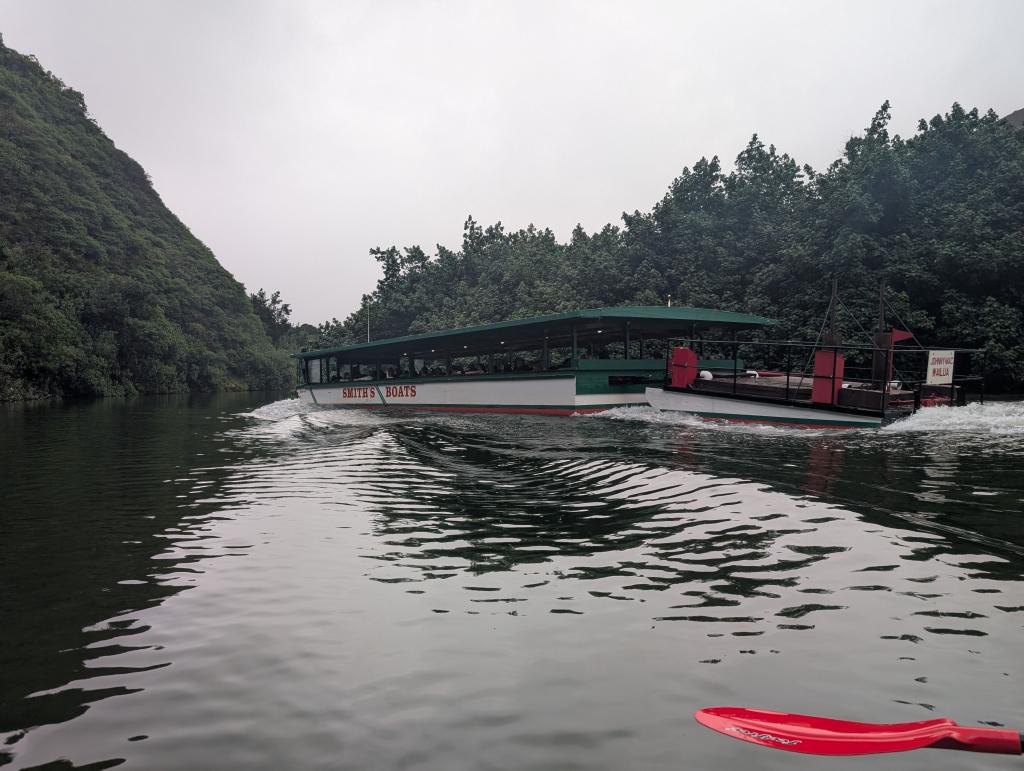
{"x": 793, "y": 358}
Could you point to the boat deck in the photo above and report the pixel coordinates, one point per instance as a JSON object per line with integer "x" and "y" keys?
{"x": 798, "y": 391}
{"x": 771, "y": 387}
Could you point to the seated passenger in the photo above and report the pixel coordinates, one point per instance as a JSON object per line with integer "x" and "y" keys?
{"x": 474, "y": 369}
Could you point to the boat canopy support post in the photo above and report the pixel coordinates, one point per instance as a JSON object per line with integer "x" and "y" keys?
{"x": 575, "y": 349}
{"x": 735, "y": 361}
{"x": 789, "y": 367}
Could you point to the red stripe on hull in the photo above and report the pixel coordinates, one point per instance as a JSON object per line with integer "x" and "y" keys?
{"x": 775, "y": 423}
{"x": 505, "y": 410}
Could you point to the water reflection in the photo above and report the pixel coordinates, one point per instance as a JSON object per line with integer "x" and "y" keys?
{"x": 94, "y": 530}
{"x": 343, "y": 565}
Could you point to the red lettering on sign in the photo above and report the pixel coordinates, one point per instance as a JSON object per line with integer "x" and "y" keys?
{"x": 370, "y": 392}
{"x": 360, "y": 392}
{"x": 399, "y": 392}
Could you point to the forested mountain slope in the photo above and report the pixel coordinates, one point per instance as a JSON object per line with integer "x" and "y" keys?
{"x": 939, "y": 216}
{"x": 102, "y": 289}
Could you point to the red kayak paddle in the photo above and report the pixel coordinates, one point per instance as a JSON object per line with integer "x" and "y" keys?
{"x": 828, "y": 736}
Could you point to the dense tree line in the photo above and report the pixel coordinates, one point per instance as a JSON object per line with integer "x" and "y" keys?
{"x": 103, "y": 290}
{"x": 938, "y": 216}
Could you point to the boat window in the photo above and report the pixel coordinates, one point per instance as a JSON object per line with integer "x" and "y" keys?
{"x": 654, "y": 348}
{"x": 363, "y": 371}
{"x": 560, "y": 358}
{"x": 313, "y": 366}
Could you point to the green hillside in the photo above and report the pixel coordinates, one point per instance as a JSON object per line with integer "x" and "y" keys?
{"x": 103, "y": 291}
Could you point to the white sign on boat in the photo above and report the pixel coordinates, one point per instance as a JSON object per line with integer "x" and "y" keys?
{"x": 940, "y": 367}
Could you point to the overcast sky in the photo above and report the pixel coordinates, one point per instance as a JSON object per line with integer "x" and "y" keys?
{"x": 293, "y": 136}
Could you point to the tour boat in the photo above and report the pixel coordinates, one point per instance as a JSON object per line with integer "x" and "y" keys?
{"x": 820, "y": 385}
{"x": 579, "y": 362}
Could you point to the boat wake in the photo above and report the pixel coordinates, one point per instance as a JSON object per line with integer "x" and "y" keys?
{"x": 280, "y": 410}
{"x": 992, "y": 418}
{"x": 686, "y": 420}
{"x": 998, "y": 418}
{"x": 649, "y": 415}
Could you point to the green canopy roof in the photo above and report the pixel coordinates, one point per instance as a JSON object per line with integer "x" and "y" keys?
{"x": 651, "y": 320}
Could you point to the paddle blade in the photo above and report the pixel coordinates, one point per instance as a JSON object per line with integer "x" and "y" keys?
{"x": 827, "y": 736}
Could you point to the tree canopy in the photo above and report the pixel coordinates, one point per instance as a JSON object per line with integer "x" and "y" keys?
{"x": 938, "y": 216}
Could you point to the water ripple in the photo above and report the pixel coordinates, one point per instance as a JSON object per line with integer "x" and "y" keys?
{"x": 290, "y": 586}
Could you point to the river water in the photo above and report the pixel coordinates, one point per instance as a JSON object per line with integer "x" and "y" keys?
{"x": 223, "y": 582}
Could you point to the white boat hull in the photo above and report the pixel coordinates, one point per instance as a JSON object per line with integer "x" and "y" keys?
{"x": 542, "y": 395}
{"x": 740, "y": 410}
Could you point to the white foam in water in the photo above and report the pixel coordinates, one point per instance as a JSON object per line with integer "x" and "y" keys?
{"x": 311, "y": 414}
{"x": 648, "y": 415}
{"x": 279, "y": 410}
{"x": 686, "y": 420}
{"x": 996, "y": 418}
{"x": 990, "y": 418}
